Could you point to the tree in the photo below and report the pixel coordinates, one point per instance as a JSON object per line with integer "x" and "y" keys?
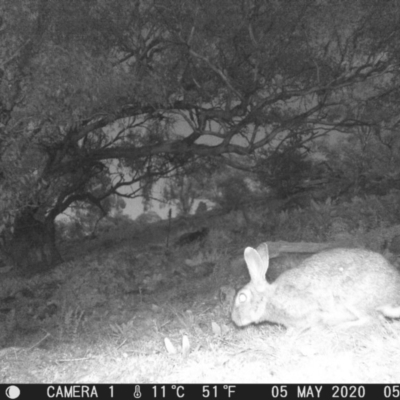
{"x": 365, "y": 163}
{"x": 192, "y": 182}
{"x": 100, "y": 95}
{"x": 286, "y": 168}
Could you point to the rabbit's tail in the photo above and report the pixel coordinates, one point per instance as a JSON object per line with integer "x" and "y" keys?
{"x": 390, "y": 311}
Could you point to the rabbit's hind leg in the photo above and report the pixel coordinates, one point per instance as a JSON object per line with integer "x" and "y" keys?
{"x": 345, "y": 316}
{"x": 389, "y": 311}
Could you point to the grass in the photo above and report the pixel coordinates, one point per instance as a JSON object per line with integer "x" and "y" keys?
{"x": 132, "y": 311}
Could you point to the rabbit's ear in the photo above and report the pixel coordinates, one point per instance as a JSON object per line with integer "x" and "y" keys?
{"x": 256, "y": 264}
{"x": 263, "y": 251}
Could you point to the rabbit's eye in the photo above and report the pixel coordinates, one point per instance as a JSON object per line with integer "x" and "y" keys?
{"x": 242, "y": 297}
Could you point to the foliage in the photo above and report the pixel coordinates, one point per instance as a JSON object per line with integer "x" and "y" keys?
{"x": 234, "y": 192}
{"x": 99, "y": 96}
{"x": 360, "y": 221}
{"x": 89, "y": 226}
{"x": 148, "y": 218}
{"x": 285, "y": 169}
{"x": 364, "y": 163}
{"x": 194, "y": 181}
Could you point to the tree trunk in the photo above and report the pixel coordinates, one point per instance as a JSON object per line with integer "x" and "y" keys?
{"x": 32, "y": 247}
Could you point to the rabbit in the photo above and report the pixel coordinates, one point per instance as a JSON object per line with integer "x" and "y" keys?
{"x": 335, "y": 287}
{"x": 284, "y": 262}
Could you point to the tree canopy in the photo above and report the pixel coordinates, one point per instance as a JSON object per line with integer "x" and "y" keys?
{"x": 100, "y": 95}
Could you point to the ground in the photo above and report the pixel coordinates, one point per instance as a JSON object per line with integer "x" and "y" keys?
{"x": 126, "y": 308}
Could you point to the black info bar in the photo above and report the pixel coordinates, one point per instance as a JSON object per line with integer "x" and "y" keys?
{"x": 199, "y": 391}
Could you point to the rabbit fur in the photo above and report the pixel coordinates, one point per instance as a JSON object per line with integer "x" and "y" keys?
{"x": 334, "y": 287}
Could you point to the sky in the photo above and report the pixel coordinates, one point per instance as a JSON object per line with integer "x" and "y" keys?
{"x": 134, "y": 207}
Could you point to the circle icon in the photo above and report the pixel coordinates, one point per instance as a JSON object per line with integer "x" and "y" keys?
{"x": 13, "y": 392}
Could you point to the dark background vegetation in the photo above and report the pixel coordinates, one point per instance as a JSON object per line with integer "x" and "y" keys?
{"x": 259, "y": 119}
{"x": 231, "y": 101}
